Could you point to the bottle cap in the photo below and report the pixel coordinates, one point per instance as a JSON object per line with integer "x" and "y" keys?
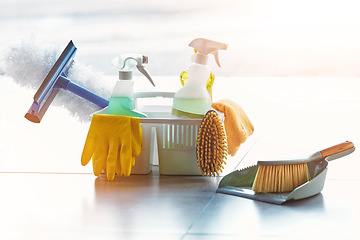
{"x": 125, "y": 75}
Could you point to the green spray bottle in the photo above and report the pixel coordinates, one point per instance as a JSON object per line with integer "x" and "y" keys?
{"x": 122, "y": 98}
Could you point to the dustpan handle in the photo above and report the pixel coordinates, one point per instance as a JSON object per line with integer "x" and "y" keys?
{"x": 338, "y": 150}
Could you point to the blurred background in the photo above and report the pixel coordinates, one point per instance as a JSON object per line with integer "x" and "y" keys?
{"x": 266, "y": 38}
{"x": 295, "y": 59}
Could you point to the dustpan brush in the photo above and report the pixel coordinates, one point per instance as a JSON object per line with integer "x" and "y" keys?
{"x": 280, "y": 178}
{"x": 211, "y": 145}
{"x": 286, "y": 175}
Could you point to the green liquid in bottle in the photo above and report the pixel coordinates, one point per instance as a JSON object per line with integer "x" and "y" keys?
{"x": 192, "y": 108}
{"x": 123, "y": 106}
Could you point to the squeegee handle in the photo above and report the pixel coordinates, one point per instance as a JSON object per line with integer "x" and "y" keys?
{"x": 339, "y": 150}
{"x": 66, "y": 84}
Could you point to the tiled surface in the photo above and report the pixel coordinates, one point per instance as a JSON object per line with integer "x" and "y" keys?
{"x": 79, "y": 206}
{"x": 47, "y": 194}
{"x": 324, "y": 216}
{"x": 82, "y": 204}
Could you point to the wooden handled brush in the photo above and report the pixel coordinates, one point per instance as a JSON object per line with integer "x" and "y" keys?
{"x": 286, "y": 175}
{"x": 211, "y": 147}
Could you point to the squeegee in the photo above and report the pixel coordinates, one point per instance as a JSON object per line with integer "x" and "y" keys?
{"x": 55, "y": 81}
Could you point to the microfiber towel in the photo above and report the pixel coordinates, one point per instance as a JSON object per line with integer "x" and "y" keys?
{"x": 237, "y": 124}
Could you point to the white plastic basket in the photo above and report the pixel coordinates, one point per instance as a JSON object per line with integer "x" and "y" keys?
{"x": 174, "y": 140}
{"x": 169, "y": 141}
{"x": 143, "y": 162}
{"x": 176, "y": 145}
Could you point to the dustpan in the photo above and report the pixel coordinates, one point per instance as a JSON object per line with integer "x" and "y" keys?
{"x": 239, "y": 183}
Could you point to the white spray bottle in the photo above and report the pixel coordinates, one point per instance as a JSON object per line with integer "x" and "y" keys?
{"x": 193, "y": 100}
{"x": 122, "y": 98}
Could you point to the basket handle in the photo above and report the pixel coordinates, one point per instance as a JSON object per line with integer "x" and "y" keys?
{"x": 154, "y": 94}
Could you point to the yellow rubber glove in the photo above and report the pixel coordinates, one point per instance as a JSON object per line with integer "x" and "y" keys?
{"x": 112, "y": 142}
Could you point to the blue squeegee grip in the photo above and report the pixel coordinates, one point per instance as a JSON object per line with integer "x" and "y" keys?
{"x": 66, "y": 84}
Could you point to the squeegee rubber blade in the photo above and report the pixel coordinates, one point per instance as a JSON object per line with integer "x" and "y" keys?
{"x": 36, "y": 118}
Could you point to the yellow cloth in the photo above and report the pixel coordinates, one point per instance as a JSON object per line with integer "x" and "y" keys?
{"x": 237, "y": 124}
{"x": 112, "y": 142}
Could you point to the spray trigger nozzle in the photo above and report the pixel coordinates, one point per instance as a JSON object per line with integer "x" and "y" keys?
{"x": 216, "y": 55}
{"x": 126, "y": 64}
{"x": 146, "y": 74}
{"x": 203, "y": 47}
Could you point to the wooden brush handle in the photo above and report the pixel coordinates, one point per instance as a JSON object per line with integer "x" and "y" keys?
{"x": 337, "y": 149}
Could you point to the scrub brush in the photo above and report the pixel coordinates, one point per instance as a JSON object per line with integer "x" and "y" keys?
{"x": 211, "y": 148}
{"x": 286, "y": 175}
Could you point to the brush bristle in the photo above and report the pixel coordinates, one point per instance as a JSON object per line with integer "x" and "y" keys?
{"x": 211, "y": 145}
{"x": 280, "y": 178}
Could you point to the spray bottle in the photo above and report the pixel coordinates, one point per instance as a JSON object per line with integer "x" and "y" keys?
{"x": 193, "y": 100}
{"x": 122, "y": 98}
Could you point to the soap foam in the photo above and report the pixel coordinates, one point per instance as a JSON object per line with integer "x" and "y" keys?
{"x": 28, "y": 63}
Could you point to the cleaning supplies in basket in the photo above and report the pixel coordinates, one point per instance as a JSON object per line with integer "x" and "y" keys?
{"x": 112, "y": 143}
{"x": 122, "y": 98}
{"x": 193, "y": 100}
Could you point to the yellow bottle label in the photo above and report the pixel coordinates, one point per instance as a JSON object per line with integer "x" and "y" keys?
{"x": 209, "y": 83}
